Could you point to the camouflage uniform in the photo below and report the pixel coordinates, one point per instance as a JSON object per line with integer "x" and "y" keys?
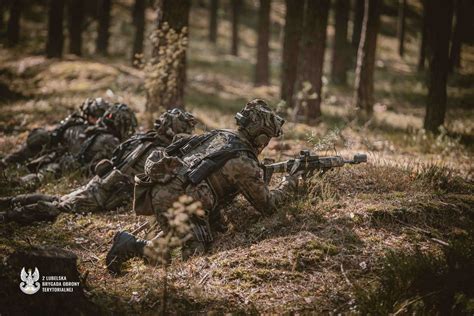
{"x": 114, "y": 186}
{"x": 82, "y": 147}
{"x": 213, "y": 169}
{"x": 40, "y": 139}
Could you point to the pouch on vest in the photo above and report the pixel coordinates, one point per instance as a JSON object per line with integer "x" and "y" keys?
{"x": 142, "y": 195}
{"x": 160, "y": 169}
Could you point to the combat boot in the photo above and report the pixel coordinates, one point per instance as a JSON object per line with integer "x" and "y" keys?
{"x": 125, "y": 246}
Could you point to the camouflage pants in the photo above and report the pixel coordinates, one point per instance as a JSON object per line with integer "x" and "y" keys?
{"x": 163, "y": 198}
{"x": 100, "y": 194}
{"x": 37, "y": 140}
{"x": 29, "y": 208}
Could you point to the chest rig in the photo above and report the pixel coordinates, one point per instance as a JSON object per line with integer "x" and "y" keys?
{"x": 208, "y": 167}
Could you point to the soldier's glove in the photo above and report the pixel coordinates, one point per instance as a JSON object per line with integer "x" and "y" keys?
{"x": 125, "y": 246}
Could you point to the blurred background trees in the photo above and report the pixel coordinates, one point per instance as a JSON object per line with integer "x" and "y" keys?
{"x": 443, "y": 27}
{"x": 54, "y": 46}
{"x": 103, "y": 17}
{"x": 341, "y": 55}
{"x": 364, "y": 74}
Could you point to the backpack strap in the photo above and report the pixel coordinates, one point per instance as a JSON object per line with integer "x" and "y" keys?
{"x": 119, "y": 152}
{"x": 183, "y": 146}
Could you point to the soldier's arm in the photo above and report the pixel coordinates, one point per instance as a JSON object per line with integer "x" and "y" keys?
{"x": 246, "y": 174}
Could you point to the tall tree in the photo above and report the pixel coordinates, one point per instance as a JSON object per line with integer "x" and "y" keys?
{"x": 13, "y": 28}
{"x": 213, "y": 10}
{"x": 424, "y": 37}
{"x": 76, "y": 25}
{"x": 402, "y": 8}
{"x": 236, "y": 8}
{"x": 293, "y": 30}
{"x": 357, "y": 22}
{"x": 439, "y": 28}
{"x": 460, "y": 28}
{"x": 139, "y": 24}
{"x": 310, "y": 67}
{"x": 103, "y": 35}
{"x": 340, "y": 53}
{"x": 166, "y": 74}
{"x": 2, "y": 10}
{"x": 262, "y": 71}
{"x": 364, "y": 74}
{"x": 54, "y": 45}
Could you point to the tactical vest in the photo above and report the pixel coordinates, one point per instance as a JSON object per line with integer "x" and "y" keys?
{"x": 208, "y": 168}
{"x": 82, "y": 156}
{"x": 72, "y": 120}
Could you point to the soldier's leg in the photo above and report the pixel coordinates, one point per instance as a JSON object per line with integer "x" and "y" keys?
{"x": 99, "y": 194}
{"x": 28, "y": 214}
{"x": 38, "y": 139}
{"x": 116, "y": 190}
{"x": 10, "y": 202}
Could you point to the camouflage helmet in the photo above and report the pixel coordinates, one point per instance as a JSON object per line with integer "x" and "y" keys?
{"x": 259, "y": 122}
{"x": 94, "y": 107}
{"x": 175, "y": 121}
{"x": 121, "y": 120}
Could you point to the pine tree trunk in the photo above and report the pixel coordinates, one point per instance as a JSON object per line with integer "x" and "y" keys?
{"x": 54, "y": 45}
{"x": 76, "y": 22}
{"x": 213, "y": 20}
{"x": 424, "y": 36}
{"x": 236, "y": 8}
{"x": 13, "y": 28}
{"x": 166, "y": 76}
{"x": 139, "y": 24}
{"x": 293, "y": 30}
{"x": 2, "y": 11}
{"x": 364, "y": 76}
{"x": 262, "y": 71}
{"x": 459, "y": 28}
{"x": 440, "y": 21}
{"x": 103, "y": 34}
{"x": 357, "y": 24}
{"x": 340, "y": 53}
{"x": 402, "y": 7}
{"x": 310, "y": 67}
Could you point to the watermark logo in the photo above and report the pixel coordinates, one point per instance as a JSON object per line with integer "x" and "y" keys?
{"x": 29, "y": 284}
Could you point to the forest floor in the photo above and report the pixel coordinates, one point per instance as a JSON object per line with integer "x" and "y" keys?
{"x": 385, "y": 236}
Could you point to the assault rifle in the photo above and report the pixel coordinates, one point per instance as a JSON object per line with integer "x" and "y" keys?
{"x": 308, "y": 163}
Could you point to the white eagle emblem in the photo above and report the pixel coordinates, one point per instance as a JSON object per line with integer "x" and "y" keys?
{"x": 29, "y": 284}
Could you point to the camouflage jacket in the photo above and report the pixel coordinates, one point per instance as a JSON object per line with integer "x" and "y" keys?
{"x": 239, "y": 173}
{"x": 77, "y": 149}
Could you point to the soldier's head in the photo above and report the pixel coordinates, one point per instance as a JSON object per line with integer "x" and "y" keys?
{"x": 120, "y": 120}
{"x": 173, "y": 122}
{"x": 259, "y": 123}
{"x": 93, "y": 109}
